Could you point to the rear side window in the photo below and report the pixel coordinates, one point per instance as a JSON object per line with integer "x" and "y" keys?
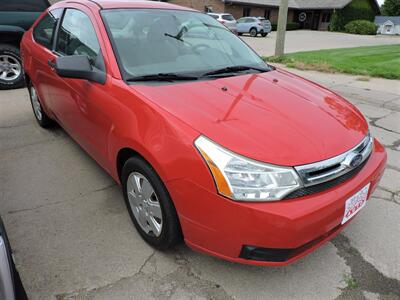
{"x": 44, "y": 31}
{"x": 228, "y": 17}
{"x": 78, "y": 37}
{"x": 24, "y": 5}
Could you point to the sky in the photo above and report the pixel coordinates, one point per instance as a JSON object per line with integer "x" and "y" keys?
{"x": 381, "y": 2}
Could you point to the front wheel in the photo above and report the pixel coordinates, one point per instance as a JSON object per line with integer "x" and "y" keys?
{"x": 264, "y": 34}
{"x": 40, "y": 115}
{"x": 149, "y": 204}
{"x": 253, "y": 32}
{"x": 11, "y": 73}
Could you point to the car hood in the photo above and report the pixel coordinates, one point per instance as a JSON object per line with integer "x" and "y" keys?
{"x": 274, "y": 117}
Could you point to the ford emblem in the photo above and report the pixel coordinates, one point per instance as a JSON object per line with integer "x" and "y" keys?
{"x": 356, "y": 161}
{"x": 353, "y": 160}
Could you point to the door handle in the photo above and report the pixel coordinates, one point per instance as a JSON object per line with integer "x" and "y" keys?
{"x": 51, "y": 64}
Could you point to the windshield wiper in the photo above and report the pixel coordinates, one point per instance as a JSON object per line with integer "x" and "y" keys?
{"x": 177, "y": 37}
{"x": 163, "y": 77}
{"x": 235, "y": 69}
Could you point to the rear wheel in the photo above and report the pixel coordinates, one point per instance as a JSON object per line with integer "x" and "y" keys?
{"x": 264, "y": 34}
{"x": 240, "y": 34}
{"x": 11, "y": 73}
{"x": 40, "y": 115}
{"x": 253, "y": 32}
{"x": 149, "y": 204}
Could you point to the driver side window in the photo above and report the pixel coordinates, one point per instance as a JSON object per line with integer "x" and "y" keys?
{"x": 78, "y": 37}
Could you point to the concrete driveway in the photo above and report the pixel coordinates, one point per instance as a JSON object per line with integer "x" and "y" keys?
{"x": 307, "y": 40}
{"x": 73, "y": 239}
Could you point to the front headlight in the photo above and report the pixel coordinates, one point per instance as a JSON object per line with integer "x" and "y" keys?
{"x": 243, "y": 179}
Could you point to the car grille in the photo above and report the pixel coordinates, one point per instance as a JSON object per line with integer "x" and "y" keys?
{"x": 305, "y": 191}
{"x": 320, "y": 176}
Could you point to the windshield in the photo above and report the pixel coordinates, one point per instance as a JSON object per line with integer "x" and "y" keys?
{"x": 159, "y": 41}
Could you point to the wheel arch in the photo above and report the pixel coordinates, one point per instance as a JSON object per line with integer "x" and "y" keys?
{"x": 11, "y": 35}
{"x": 130, "y": 148}
{"x": 27, "y": 79}
{"x": 123, "y": 155}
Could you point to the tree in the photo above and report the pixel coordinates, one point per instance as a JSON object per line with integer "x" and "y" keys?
{"x": 356, "y": 10}
{"x": 391, "y": 8}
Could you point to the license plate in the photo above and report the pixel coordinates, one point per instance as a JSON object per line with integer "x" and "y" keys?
{"x": 355, "y": 203}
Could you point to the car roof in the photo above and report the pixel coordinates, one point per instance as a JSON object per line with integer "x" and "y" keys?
{"x": 109, "y": 4}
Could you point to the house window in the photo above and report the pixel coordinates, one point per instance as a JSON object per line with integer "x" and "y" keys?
{"x": 246, "y": 11}
{"x": 326, "y": 17}
{"x": 267, "y": 14}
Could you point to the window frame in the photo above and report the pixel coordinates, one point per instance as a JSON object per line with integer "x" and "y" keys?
{"x": 60, "y": 21}
{"x": 55, "y": 32}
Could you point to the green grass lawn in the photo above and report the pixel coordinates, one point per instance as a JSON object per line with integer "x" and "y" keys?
{"x": 375, "y": 61}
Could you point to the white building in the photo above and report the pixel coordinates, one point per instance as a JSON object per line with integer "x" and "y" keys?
{"x": 388, "y": 25}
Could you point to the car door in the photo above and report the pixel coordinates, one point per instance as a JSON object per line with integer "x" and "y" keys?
{"x": 250, "y": 23}
{"x": 241, "y": 25}
{"x": 78, "y": 104}
{"x": 42, "y": 74}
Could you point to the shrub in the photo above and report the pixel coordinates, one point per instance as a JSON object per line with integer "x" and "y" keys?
{"x": 360, "y": 27}
{"x": 289, "y": 26}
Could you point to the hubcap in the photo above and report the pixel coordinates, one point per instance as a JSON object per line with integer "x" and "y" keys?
{"x": 10, "y": 68}
{"x": 37, "y": 109}
{"x": 144, "y": 204}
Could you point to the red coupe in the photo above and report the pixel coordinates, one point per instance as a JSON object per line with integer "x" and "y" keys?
{"x": 210, "y": 144}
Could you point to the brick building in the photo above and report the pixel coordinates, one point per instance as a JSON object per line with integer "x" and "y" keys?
{"x": 311, "y": 14}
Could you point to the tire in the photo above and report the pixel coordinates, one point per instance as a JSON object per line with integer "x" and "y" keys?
{"x": 11, "y": 72}
{"x": 40, "y": 115}
{"x": 264, "y": 34}
{"x": 170, "y": 234}
{"x": 253, "y": 32}
{"x": 240, "y": 34}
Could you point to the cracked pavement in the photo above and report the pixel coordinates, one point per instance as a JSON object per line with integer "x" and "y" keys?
{"x": 73, "y": 239}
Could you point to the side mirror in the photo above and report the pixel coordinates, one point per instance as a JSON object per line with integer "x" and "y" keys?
{"x": 78, "y": 67}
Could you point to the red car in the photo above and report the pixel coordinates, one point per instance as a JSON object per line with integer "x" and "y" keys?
{"x": 210, "y": 144}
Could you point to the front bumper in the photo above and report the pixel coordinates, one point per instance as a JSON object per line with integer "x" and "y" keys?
{"x": 221, "y": 227}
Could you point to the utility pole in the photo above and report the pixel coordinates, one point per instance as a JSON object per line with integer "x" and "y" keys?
{"x": 281, "y": 30}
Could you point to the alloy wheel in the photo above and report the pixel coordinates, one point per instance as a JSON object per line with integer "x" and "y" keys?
{"x": 10, "y": 68}
{"x": 37, "y": 109}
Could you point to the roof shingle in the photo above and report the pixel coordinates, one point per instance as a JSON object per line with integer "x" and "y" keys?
{"x": 379, "y": 20}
